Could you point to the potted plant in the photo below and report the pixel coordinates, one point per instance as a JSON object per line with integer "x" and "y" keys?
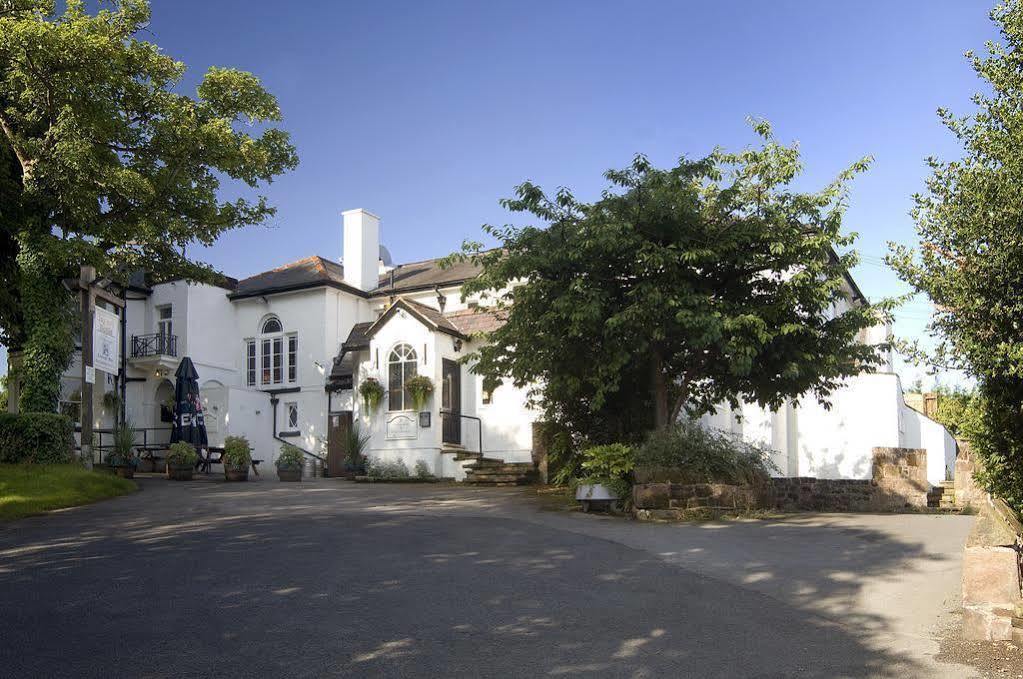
{"x": 181, "y": 460}
{"x": 289, "y": 463}
{"x": 167, "y": 410}
{"x": 605, "y": 479}
{"x": 111, "y": 401}
{"x": 122, "y": 457}
{"x": 419, "y": 388}
{"x": 237, "y": 458}
{"x": 354, "y": 444}
{"x": 372, "y": 393}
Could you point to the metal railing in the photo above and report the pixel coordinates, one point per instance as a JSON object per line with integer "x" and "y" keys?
{"x": 452, "y": 423}
{"x": 155, "y": 344}
{"x": 152, "y": 438}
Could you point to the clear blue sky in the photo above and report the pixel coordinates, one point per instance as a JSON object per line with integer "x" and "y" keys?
{"x": 427, "y": 113}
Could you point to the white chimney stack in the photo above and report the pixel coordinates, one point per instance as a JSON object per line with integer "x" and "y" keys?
{"x": 361, "y": 243}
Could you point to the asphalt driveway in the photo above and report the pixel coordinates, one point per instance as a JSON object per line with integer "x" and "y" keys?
{"x": 336, "y": 579}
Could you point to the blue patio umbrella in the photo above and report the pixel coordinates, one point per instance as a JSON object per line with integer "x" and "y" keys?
{"x": 189, "y": 423}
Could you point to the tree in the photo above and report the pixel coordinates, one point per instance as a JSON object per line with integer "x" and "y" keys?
{"x": 113, "y": 166}
{"x": 680, "y": 289}
{"x": 970, "y": 258}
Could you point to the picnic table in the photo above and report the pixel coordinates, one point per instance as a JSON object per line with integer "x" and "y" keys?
{"x": 212, "y": 455}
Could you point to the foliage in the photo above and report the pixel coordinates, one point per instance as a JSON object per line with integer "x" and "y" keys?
{"x": 372, "y": 393}
{"x": 387, "y": 469}
{"x": 422, "y": 470}
{"x": 609, "y": 465}
{"x": 354, "y": 443}
{"x": 290, "y": 457}
{"x": 105, "y": 161}
{"x": 697, "y": 454}
{"x": 419, "y": 388}
{"x": 181, "y": 454}
{"x": 970, "y": 257}
{"x": 956, "y": 405}
{"x": 32, "y": 489}
{"x": 123, "y": 452}
{"x": 111, "y": 401}
{"x": 237, "y": 451}
{"x": 43, "y": 438}
{"x": 3, "y": 389}
{"x": 679, "y": 289}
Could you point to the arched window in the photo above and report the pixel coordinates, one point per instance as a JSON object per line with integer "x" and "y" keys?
{"x": 271, "y": 356}
{"x": 401, "y": 365}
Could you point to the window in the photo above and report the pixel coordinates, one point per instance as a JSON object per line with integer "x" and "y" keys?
{"x": 273, "y": 362}
{"x": 292, "y": 357}
{"x": 250, "y": 362}
{"x": 291, "y": 416}
{"x": 401, "y": 365}
{"x": 164, "y": 320}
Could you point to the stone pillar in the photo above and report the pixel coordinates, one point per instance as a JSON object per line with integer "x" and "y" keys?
{"x": 900, "y": 475}
{"x": 968, "y": 491}
{"x": 540, "y": 450}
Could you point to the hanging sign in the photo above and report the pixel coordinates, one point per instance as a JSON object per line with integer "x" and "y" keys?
{"x": 106, "y": 341}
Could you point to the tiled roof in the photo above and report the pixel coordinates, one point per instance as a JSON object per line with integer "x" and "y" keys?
{"x": 424, "y": 275}
{"x": 305, "y": 273}
{"x": 427, "y": 315}
{"x": 357, "y": 338}
{"x": 477, "y": 320}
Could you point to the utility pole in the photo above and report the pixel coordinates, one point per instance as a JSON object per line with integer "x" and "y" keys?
{"x": 86, "y": 277}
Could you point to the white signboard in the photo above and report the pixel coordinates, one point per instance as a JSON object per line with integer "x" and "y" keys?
{"x": 401, "y": 426}
{"x": 106, "y": 341}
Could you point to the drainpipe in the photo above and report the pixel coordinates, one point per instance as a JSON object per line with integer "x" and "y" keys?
{"x": 273, "y": 404}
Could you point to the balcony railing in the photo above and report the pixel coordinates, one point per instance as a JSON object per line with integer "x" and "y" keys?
{"x": 156, "y": 344}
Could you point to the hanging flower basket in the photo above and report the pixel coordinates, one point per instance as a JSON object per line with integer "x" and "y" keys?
{"x": 372, "y": 393}
{"x": 419, "y": 389}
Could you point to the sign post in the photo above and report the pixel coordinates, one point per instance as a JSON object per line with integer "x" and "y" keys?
{"x": 86, "y": 277}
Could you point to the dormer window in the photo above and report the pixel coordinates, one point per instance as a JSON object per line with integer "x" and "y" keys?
{"x": 273, "y": 356}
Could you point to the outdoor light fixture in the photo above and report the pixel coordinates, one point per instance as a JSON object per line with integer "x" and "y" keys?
{"x": 457, "y": 344}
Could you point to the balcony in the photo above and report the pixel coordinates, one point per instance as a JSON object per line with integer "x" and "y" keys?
{"x": 155, "y": 350}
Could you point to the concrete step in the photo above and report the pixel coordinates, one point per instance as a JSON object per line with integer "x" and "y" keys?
{"x": 499, "y": 469}
{"x": 499, "y": 477}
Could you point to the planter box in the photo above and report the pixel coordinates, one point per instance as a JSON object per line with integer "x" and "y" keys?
{"x": 125, "y": 471}
{"x": 177, "y": 472}
{"x": 236, "y": 472}
{"x": 289, "y": 473}
{"x": 147, "y": 465}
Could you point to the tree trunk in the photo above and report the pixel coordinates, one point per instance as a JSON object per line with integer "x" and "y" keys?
{"x": 49, "y": 346}
{"x": 659, "y": 390}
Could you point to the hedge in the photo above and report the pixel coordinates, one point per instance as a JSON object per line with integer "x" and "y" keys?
{"x": 43, "y": 438}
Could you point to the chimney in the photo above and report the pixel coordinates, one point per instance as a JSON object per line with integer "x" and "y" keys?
{"x": 361, "y": 242}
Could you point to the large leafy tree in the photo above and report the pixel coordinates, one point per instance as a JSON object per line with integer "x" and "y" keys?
{"x": 678, "y": 290}
{"x": 970, "y": 257}
{"x": 112, "y": 165}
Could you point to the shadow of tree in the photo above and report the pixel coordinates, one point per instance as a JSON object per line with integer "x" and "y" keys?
{"x": 323, "y": 579}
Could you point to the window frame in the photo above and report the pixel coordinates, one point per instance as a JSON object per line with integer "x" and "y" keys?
{"x": 276, "y": 355}
{"x": 251, "y": 362}
{"x": 291, "y": 412}
{"x": 405, "y": 361}
{"x": 165, "y": 324}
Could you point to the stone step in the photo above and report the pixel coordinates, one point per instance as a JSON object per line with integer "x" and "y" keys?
{"x": 462, "y": 456}
{"x": 498, "y": 484}
{"x": 498, "y": 477}
{"x": 499, "y": 469}
{"x": 948, "y": 484}
{"x": 1017, "y": 622}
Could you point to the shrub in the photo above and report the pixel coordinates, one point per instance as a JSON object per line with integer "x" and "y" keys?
{"x": 696, "y": 454}
{"x": 237, "y": 451}
{"x": 608, "y": 465}
{"x": 43, "y": 438}
{"x": 385, "y": 469}
{"x": 181, "y": 454}
{"x": 354, "y": 443}
{"x": 994, "y": 429}
{"x": 422, "y": 470}
{"x": 290, "y": 457}
{"x": 123, "y": 452}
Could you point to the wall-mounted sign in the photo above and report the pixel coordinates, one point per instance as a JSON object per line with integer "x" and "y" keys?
{"x": 106, "y": 341}
{"x": 424, "y": 419}
{"x": 401, "y": 426}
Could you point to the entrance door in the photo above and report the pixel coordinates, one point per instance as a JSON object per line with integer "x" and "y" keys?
{"x": 339, "y": 424}
{"x": 451, "y": 402}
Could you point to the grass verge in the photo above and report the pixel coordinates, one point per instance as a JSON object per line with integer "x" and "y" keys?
{"x": 27, "y": 489}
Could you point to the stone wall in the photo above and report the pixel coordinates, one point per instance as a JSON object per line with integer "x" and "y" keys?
{"x": 899, "y": 482}
{"x": 968, "y": 492}
{"x": 992, "y": 586}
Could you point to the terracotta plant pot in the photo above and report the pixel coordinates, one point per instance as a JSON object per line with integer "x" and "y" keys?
{"x": 236, "y": 472}
{"x": 181, "y": 472}
{"x": 125, "y": 471}
{"x": 289, "y": 473}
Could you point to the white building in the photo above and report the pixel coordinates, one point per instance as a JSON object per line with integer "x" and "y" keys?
{"x": 280, "y": 357}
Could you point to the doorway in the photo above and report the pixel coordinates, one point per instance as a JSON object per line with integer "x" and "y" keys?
{"x": 451, "y": 402}
{"x": 338, "y": 425}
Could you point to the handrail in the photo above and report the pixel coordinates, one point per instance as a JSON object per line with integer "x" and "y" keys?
{"x": 479, "y": 425}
